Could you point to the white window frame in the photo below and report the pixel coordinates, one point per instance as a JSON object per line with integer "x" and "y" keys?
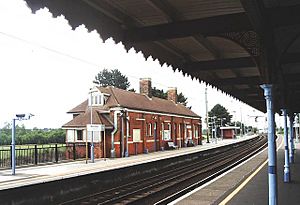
{"x": 162, "y": 130}
{"x": 136, "y": 135}
{"x": 79, "y": 130}
{"x": 169, "y": 126}
{"x": 167, "y": 133}
{"x": 149, "y": 129}
{"x": 96, "y": 99}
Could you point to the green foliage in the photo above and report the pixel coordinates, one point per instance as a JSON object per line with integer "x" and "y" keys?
{"x": 159, "y": 93}
{"x": 34, "y": 136}
{"x": 219, "y": 112}
{"x": 182, "y": 99}
{"x": 164, "y": 95}
{"x": 112, "y": 78}
{"x": 279, "y": 130}
{"x": 132, "y": 90}
{"x": 220, "y": 116}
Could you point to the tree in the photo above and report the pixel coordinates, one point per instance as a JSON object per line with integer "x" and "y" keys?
{"x": 159, "y": 93}
{"x": 220, "y": 116}
{"x": 219, "y": 112}
{"x": 112, "y": 78}
{"x": 182, "y": 99}
{"x": 164, "y": 95}
{"x": 32, "y": 136}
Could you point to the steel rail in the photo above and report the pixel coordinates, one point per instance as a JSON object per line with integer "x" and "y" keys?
{"x": 136, "y": 191}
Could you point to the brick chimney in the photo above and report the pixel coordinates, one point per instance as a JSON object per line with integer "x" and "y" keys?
{"x": 172, "y": 94}
{"x": 145, "y": 87}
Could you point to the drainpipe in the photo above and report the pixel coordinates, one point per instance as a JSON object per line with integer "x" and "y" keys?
{"x": 122, "y": 134}
{"x": 127, "y": 134}
{"x": 113, "y": 151}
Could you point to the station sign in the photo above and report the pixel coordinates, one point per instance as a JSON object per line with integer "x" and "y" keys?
{"x": 95, "y": 127}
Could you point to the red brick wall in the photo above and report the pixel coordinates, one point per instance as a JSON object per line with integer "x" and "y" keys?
{"x": 148, "y": 143}
{"x": 80, "y": 148}
{"x": 228, "y": 134}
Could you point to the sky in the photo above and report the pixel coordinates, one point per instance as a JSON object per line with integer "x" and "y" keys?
{"x": 46, "y": 69}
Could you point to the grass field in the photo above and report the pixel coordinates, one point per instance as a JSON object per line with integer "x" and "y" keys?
{"x": 30, "y": 146}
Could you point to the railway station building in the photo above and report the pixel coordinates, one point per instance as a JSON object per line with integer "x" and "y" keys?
{"x": 133, "y": 123}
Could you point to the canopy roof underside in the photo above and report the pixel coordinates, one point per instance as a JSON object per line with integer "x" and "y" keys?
{"x": 233, "y": 45}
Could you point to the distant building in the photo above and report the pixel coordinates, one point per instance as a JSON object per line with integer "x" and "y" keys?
{"x": 134, "y": 123}
{"x": 229, "y": 132}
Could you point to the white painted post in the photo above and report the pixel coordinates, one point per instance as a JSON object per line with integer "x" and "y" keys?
{"x": 286, "y": 171}
{"x": 292, "y": 147}
{"x": 271, "y": 145}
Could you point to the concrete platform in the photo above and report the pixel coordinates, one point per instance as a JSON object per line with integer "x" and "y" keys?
{"x": 248, "y": 183}
{"x": 256, "y": 191}
{"x": 47, "y": 173}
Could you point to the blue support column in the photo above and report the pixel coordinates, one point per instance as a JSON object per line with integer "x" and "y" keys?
{"x": 292, "y": 147}
{"x": 286, "y": 171}
{"x": 271, "y": 145}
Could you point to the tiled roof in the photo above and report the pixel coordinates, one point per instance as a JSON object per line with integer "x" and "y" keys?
{"x": 79, "y": 108}
{"x": 138, "y": 101}
{"x": 85, "y": 118}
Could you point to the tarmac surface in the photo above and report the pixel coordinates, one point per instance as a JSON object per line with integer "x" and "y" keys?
{"x": 256, "y": 191}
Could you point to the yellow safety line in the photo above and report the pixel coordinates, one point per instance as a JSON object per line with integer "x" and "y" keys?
{"x": 239, "y": 188}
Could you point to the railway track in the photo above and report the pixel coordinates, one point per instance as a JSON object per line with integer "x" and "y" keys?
{"x": 168, "y": 185}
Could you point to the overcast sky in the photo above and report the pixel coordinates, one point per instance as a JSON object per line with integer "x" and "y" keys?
{"x": 46, "y": 68}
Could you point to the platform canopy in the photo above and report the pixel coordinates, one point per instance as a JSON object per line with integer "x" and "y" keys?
{"x": 233, "y": 45}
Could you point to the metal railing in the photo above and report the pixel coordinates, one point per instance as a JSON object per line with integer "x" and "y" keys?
{"x": 39, "y": 154}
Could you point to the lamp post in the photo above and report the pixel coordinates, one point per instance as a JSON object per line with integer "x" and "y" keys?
{"x": 235, "y": 132}
{"x": 215, "y": 129}
{"x": 222, "y": 118}
{"x": 241, "y": 128}
{"x": 19, "y": 117}
{"x": 206, "y": 107}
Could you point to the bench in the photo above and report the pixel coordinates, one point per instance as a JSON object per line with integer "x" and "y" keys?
{"x": 171, "y": 145}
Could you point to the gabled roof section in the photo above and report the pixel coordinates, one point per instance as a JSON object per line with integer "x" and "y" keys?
{"x": 79, "y": 108}
{"x": 112, "y": 101}
{"x": 131, "y": 100}
{"x": 127, "y": 99}
{"x": 137, "y": 101}
{"x": 85, "y": 118}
